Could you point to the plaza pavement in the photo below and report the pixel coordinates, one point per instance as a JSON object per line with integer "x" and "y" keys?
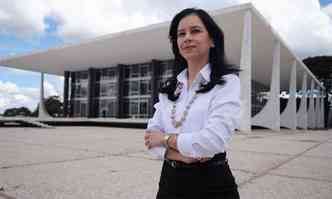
{"x": 112, "y": 163}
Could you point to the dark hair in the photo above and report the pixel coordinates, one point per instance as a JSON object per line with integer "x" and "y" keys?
{"x": 217, "y": 59}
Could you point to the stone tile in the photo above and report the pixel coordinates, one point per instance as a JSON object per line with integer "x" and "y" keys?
{"x": 113, "y": 177}
{"x": 276, "y": 187}
{"x": 305, "y": 136}
{"x": 241, "y": 176}
{"x": 307, "y": 167}
{"x": 322, "y": 151}
{"x": 13, "y": 154}
{"x": 104, "y": 140}
{"x": 98, "y": 162}
{"x": 254, "y": 162}
{"x": 271, "y": 145}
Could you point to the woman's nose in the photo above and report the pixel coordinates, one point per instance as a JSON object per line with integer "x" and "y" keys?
{"x": 187, "y": 37}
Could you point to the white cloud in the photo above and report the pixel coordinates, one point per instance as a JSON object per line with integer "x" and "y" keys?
{"x": 303, "y": 25}
{"x": 85, "y": 18}
{"x": 8, "y": 87}
{"x": 12, "y": 95}
{"x": 22, "y": 17}
{"x": 50, "y": 90}
{"x": 328, "y": 10}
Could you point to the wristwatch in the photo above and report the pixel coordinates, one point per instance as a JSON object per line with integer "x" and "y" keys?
{"x": 165, "y": 140}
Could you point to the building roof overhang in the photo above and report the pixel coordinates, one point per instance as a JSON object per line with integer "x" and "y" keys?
{"x": 142, "y": 45}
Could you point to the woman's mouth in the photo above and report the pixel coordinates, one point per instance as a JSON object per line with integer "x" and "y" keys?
{"x": 188, "y": 47}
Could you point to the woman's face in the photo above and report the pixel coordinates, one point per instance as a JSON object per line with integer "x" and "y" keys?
{"x": 193, "y": 39}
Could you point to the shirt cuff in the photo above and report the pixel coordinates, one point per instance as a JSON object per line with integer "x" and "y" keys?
{"x": 157, "y": 152}
{"x": 184, "y": 145}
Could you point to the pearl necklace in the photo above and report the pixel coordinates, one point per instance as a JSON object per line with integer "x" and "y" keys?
{"x": 175, "y": 123}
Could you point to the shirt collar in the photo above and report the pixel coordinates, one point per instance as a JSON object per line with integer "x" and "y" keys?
{"x": 204, "y": 74}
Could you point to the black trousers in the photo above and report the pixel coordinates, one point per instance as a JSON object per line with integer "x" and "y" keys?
{"x": 202, "y": 182}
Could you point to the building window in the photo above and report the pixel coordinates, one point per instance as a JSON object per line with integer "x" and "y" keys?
{"x": 81, "y": 76}
{"x": 166, "y": 72}
{"x": 134, "y": 88}
{"x": 108, "y": 89}
{"x": 108, "y": 74}
{"x": 81, "y": 90}
{"x": 108, "y": 108}
{"x": 145, "y": 87}
{"x": 137, "y": 107}
{"x": 80, "y": 108}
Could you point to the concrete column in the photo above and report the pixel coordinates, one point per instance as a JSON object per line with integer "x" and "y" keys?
{"x": 323, "y": 108}
{"x": 120, "y": 87}
{"x": 269, "y": 116}
{"x": 92, "y": 93}
{"x": 321, "y": 113}
{"x": 42, "y": 112}
{"x": 317, "y": 110}
{"x": 302, "y": 114}
{"x": 72, "y": 93}
{"x": 65, "y": 93}
{"x": 311, "y": 112}
{"x": 245, "y": 74}
{"x": 288, "y": 116}
{"x": 155, "y": 66}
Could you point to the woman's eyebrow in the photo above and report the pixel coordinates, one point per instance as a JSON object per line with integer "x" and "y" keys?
{"x": 197, "y": 26}
{"x": 191, "y": 27}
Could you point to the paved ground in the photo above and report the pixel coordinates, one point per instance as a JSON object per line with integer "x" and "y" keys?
{"x": 96, "y": 162}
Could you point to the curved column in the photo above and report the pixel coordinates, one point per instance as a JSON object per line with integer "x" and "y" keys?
{"x": 322, "y": 108}
{"x": 311, "y": 111}
{"x": 42, "y": 112}
{"x": 269, "y": 116}
{"x": 245, "y": 74}
{"x": 317, "y": 111}
{"x": 321, "y": 113}
{"x": 302, "y": 113}
{"x": 288, "y": 116}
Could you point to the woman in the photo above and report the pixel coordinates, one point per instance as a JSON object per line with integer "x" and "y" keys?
{"x": 197, "y": 112}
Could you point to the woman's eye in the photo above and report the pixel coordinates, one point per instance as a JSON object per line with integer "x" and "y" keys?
{"x": 181, "y": 34}
{"x": 195, "y": 30}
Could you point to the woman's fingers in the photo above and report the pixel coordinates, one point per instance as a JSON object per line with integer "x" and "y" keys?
{"x": 146, "y": 135}
{"x": 153, "y": 139}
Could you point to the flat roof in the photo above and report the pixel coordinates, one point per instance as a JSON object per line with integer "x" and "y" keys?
{"x": 151, "y": 42}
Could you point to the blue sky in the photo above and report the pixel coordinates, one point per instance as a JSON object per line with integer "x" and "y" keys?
{"x": 41, "y": 24}
{"x": 325, "y": 2}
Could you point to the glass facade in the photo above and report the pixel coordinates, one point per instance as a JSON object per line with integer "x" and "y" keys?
{"x": 137, "y": 90}
{"x": 166, "y": 71}
{"x": 108, "y": 92}
{"x": 80, "y": 99}
{"x": 123, "y": 91}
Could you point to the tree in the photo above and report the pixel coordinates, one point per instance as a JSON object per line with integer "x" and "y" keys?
{"x": 321, "y": 67}
{"x": 22, "y": 111}
{"x": 53, "y": 106}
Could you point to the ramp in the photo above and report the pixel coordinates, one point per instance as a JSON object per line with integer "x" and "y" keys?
{"x": 24, "y": 121}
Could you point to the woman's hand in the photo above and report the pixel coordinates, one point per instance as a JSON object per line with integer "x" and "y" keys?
{"x": 153, "y": 138}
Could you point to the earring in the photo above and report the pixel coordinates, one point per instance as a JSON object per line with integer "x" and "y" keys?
{"x": 212, "y": 45}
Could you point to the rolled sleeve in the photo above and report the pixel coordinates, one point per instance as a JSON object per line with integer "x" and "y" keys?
{"x": 223, "y": 118}
{"x": 185, "y": 144}
{"x": 155, "y": 124}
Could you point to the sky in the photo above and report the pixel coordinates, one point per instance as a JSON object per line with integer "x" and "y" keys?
{"x": 27, "y": 26}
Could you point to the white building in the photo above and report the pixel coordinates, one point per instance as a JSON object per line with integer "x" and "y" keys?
{"x": 117, "y": 75}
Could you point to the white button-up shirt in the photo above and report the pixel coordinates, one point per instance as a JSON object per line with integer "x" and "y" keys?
{"x": 211, "y": 119}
